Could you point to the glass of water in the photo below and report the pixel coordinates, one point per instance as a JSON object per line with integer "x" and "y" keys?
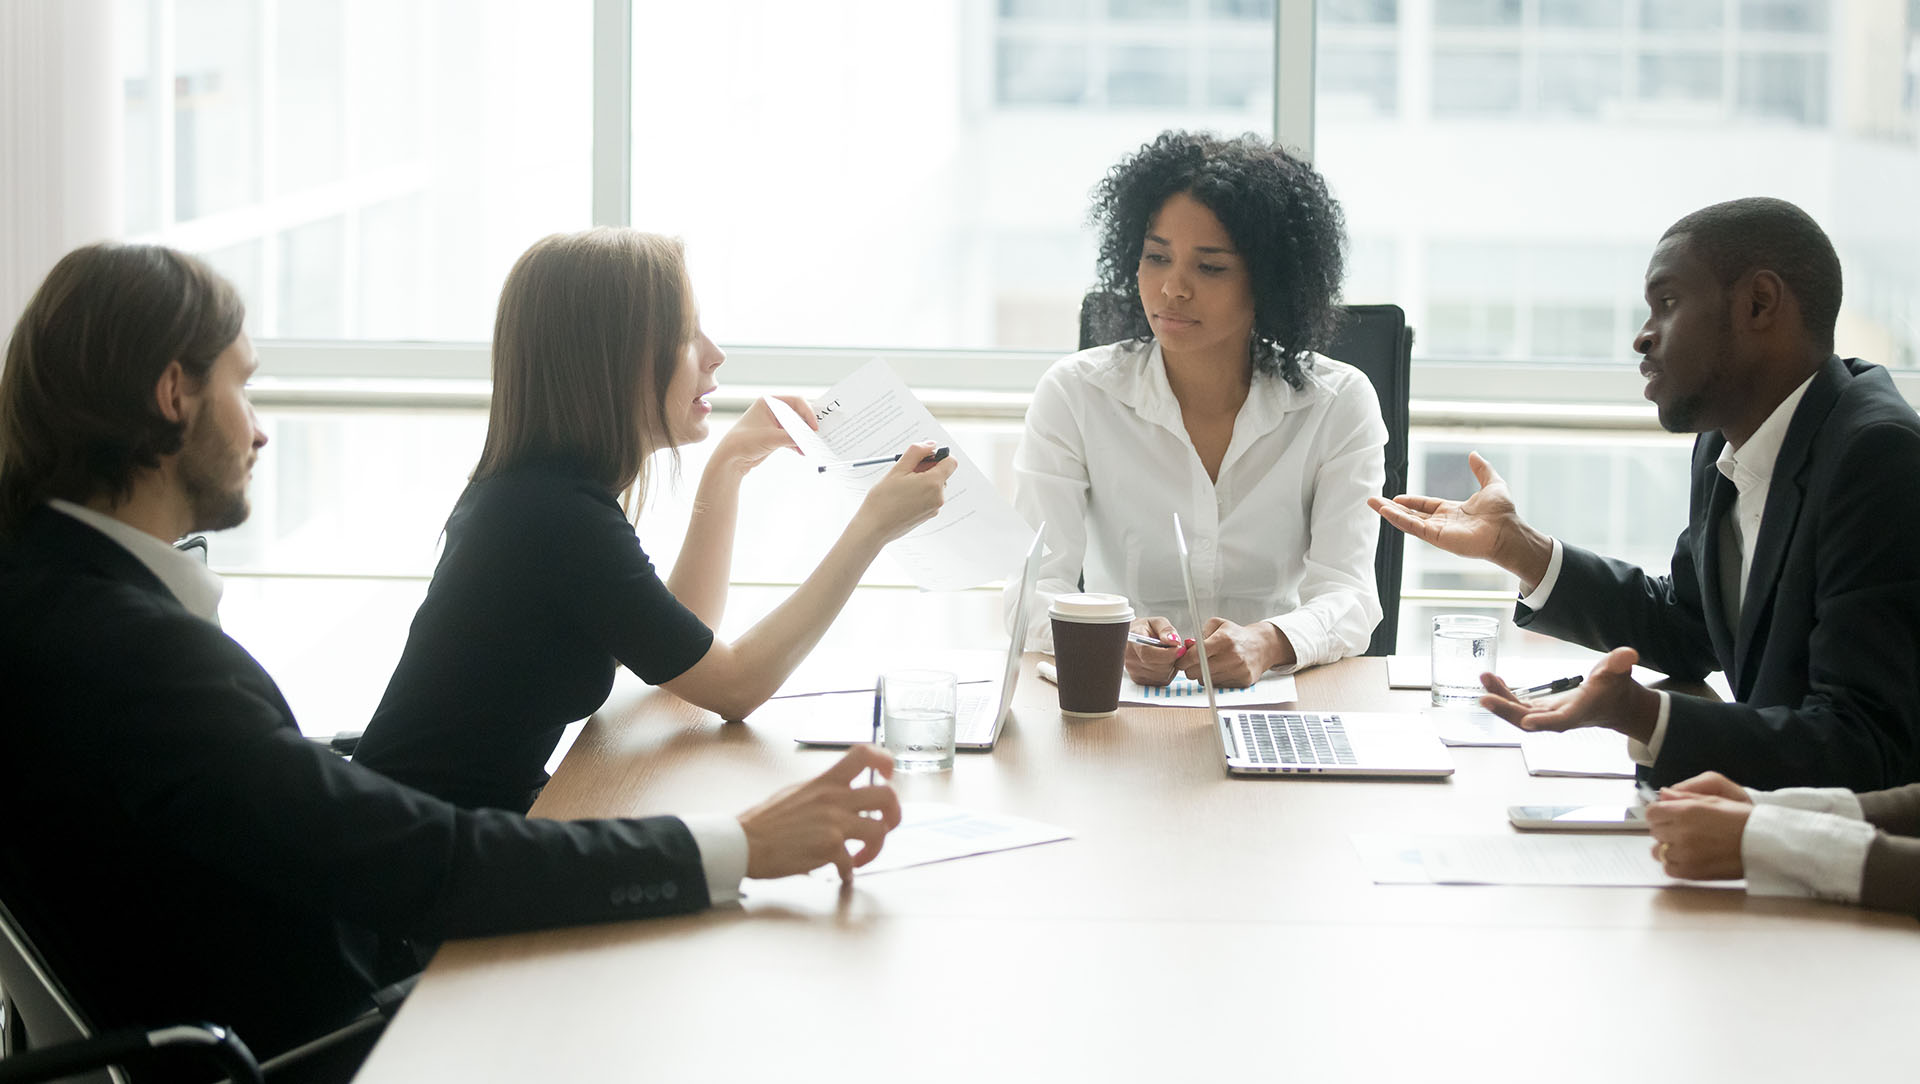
{"x": 1464, "y": 647}
{"x": 917, "y": 720}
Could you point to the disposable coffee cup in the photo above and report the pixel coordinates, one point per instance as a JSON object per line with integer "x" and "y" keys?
{"x": 1089, "y": 652}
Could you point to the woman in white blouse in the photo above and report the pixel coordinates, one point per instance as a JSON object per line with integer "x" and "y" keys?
{"x": 1212, "y": 404}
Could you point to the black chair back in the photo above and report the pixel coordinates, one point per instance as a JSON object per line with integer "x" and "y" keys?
{"x": 1374, "y": 339}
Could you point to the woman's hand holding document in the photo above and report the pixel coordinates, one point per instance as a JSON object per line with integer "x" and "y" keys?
{"x": 872, "y": 414}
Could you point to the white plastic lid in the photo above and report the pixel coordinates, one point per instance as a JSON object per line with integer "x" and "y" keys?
{"x": 1091, "y": 606}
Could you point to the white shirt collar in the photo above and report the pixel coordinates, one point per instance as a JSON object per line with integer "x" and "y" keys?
{"x": 1756, "y": 457}
{"x": 1136, "y": 374}
{"x": 195, "y": 585}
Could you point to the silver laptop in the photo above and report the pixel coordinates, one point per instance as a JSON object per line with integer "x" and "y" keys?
{"x": 980, "y": 709}
{"x": 1273, "y": 742}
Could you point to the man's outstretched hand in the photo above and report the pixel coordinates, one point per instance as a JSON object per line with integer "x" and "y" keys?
{"x": 1485, "y": 526}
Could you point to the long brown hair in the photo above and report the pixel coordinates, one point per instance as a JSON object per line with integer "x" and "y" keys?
{"x": 78, "y": 417}
{"x": 589, "y": 330}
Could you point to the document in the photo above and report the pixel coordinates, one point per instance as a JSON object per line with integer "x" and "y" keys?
{"x": 976, "y": 537}
{"x": 1609, "y": 861}
{"x": 935, "y": 832}
{"x": 1184, "y": 692}
{"x": 1472, "y": 727}
{"x": 1592, "y": 751}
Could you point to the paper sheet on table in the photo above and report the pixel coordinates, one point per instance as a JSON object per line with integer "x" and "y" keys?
{"x": 1391, "y": 859}
{"x": 976, "y": 537}
{"x": 935, "y": 832}
{"x": 1592, "y": 751}
{"x": 1462, "y": 726}
{"x": 1575, "y": 860}
{"x": 1185, "y": 692}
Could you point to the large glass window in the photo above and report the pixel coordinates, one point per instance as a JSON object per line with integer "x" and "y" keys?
{"x": 360, "y": 168}
{"x": 915, "y": 175}
{"x": 1542, "y": 146}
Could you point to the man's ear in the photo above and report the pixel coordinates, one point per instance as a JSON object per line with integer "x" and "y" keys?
{"x": 170, "y": 392}
{"x": 1766, "y": 297}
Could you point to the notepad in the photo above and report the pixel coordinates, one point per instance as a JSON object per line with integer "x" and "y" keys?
{"x": 1462, "y": 726}
{"x": 1591, "y": 752}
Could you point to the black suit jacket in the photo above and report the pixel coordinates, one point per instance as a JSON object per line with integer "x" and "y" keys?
{"x": 1825, "y": 666}
{"x": 179, "y": 852}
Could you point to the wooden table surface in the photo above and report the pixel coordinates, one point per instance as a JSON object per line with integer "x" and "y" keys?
{"x": 1198, "y": 927}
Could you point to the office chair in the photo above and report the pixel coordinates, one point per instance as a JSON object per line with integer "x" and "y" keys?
{"x": 63, "y": 1046}
{"x": 1374, "y": 339}
{"x": 44, "y": 1036}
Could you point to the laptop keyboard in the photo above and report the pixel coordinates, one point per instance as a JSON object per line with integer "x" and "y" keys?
{"x": 1292, "y": 737}
{"x": 973, "y": 710}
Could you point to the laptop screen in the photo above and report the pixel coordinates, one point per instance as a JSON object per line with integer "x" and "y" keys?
{"x": 1193, "y": 607}
{"x": 1028, "y": 575}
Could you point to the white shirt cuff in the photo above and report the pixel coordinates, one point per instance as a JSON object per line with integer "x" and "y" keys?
{"x": 1838, "y": 801}
{"x": 1797, "y": 852}
{"x": 1538, "y": 599}
{"x": 1645, "y": 754}
{"x": 1294, "y": 638}
{"x": 723, "y": 854}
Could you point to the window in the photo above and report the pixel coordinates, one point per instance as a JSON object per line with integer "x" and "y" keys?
{"x": 944, "y": 150}
{"x": 848, "y": 174}
{"x": 1535, "y": 129}
{"x": 360, "y": 170}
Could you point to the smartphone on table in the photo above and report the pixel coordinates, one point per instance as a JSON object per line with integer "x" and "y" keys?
{"x": 1578, "y": 818}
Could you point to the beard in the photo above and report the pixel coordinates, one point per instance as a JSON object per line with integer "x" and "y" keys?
{"x": 214, "y": 477}
{"x": 1682, "y": 415}
{"x": 1687, "y": 412}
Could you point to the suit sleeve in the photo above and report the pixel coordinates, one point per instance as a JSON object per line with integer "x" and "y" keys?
{"x": 1891, "y": 881}
{"x": 210, "y": 767}
{"x": 1896, "y": 810}
{"x": 1602, "y": 604}
{"x": 1859, "y": 724}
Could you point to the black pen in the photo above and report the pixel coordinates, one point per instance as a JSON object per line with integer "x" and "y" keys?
{"x": 937, "y": 456}
{"x": 1557, "y": 685}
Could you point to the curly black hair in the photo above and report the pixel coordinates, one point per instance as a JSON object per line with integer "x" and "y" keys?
{"x": 1275, "y": 207}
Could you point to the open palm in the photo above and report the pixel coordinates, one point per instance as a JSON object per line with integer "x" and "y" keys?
{"x": 1483, "y": 526}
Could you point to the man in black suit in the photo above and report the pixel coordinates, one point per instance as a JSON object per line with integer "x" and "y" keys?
{"x": 1798, "y": 574}
{"x": 169, "y": 840}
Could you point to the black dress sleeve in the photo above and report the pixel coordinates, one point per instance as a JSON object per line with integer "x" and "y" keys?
{"x": 611, "y": 588}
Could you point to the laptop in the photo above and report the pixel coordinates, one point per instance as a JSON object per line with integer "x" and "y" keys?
{"x": 1264, "y": 741}
{"x": 980, "y": 708}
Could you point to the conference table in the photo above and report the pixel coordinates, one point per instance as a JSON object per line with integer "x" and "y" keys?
{"x": 1196, "y": 927}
